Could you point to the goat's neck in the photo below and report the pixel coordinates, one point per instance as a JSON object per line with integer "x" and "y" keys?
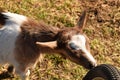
{"x": 38, "y": 31}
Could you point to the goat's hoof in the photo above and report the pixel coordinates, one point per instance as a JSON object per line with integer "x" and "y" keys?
{"x": 10, "y": 69}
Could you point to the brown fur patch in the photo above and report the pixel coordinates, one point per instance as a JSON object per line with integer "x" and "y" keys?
{"x": 26, "y": 51}
{"x": 39, "y": 31}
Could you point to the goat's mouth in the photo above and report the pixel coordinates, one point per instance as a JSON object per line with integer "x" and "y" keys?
{"x": 90, "y": 66}
{"x": 86, "y": 64}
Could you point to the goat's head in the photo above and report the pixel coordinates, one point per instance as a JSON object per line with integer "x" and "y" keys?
{"x": 73, "y": 44}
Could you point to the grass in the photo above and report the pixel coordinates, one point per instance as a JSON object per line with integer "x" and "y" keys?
{"x": 103, "y": 29}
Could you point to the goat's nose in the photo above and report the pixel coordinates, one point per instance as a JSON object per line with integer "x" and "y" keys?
{"x": 92, "y": 65}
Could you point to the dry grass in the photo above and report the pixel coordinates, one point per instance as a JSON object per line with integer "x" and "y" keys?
{"x": 103, "y": 29}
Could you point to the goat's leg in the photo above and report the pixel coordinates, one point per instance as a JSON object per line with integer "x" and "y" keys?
{"x": 11, "y": 71}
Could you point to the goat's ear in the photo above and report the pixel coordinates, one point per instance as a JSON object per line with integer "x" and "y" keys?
{"x": 51, "y": 45}
{"x": 82, "y": 20}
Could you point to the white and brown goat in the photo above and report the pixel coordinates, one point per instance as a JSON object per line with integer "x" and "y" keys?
{"x": 22, "y": 40}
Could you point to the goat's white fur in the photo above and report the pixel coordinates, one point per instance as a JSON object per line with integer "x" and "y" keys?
{"x": 8, "y": 36}
{"x": 80, "y": 41}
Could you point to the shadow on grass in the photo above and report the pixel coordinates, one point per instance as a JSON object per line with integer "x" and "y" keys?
{"x": 6, "y": 75}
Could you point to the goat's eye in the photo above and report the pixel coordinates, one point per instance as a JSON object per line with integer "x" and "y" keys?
{"x": 73, "y": 46}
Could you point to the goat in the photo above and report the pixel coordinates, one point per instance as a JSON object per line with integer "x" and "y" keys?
{"x": 22, "y": 40}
